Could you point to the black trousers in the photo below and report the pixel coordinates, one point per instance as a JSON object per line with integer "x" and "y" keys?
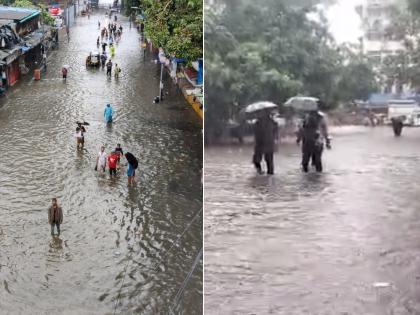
{"x": 312, "y": 150}
{"x": 269, "y": 160}
{"x": 397, "y": 128}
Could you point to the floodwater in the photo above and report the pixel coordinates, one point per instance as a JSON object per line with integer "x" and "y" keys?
{"x": 342, "y": 242}
{"x": 118, "y": 251}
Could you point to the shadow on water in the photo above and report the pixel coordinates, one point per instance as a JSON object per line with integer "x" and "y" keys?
{"x": 56, "y": 244}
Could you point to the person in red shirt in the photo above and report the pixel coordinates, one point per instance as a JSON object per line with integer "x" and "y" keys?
{"x": 64, "y": 72}
{"x": 112, "y": 163}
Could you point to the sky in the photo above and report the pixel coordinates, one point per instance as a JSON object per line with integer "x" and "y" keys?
{"x": 345, "y": 24}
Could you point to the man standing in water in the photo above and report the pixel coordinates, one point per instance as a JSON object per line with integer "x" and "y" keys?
{"x": 117, "y": 71}
{"x": 397, "y": 125}
{"x": 265, "y": 131}
{"x": 80, "y": 135}
{"x": 55, "y": 216}
{"x": 64, "y": 71}
{"x": 312, "y": 134}
{"x": 109, "y": 68}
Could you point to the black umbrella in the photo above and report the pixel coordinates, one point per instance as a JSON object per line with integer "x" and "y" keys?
{"x": 85, "y": 123}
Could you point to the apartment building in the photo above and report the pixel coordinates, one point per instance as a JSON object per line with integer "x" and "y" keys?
{"x": 378, "y": 41}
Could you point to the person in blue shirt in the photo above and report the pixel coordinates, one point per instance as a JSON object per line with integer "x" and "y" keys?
{"x": 108, "y": 113}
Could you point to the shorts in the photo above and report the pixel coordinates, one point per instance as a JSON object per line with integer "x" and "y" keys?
{"x": 64, "y": 76}
{"x": 112, "y": 171}
{"x": 80, "y": 140}
{"x": 131, "y": 171}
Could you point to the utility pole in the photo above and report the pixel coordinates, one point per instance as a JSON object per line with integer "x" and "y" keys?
{"x": 162, "y": 59}
{"x": 161, "y": 82}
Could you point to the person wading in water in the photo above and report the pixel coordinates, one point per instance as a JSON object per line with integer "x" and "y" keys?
{"x": 265, "y": 131}
{"x": 55, "y": 216}
{"x": 313, "y": 133}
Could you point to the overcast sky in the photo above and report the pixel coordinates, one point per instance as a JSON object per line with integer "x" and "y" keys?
{"x": 345, "y": 24}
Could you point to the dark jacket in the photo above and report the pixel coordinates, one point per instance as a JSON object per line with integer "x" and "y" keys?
{"x": 55, "y": 216}
{"x": 265, "y": 131}
{"x": 313, "y": 129}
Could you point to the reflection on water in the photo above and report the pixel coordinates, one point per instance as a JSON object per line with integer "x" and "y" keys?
{"x": 102, "y": 216}
{"x": 300, "y": 243}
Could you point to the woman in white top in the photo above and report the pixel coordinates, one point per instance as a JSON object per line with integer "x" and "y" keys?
{"x": 101, "y": 159}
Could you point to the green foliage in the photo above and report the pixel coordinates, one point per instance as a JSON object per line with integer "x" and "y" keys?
{"x": 176, "y": 26}
{"x": 128, "y": 4}
{"x": 403, "y": 68}
{"x": 272, "y": 51}
{"x": 46, "y": 17}
{"x": 357, "y": 78}
{"x": 414, "y": 6}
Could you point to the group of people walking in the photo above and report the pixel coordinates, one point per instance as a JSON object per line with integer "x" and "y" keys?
{"x": 112, "y": 159}
{"x": 312, "y": 134}
{"x": 108, "y": 36}
{"x": 111, "y": 33}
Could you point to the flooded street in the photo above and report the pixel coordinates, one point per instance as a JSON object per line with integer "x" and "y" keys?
{"x": 342, "y": 242}
{"x": 116, "y": 253}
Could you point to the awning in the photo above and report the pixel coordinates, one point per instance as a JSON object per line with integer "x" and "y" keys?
{"x": 30, "y": 16}
{"x": 11, "y": 55}
{"x": 33, "y": 40}
{"x": 3, "y": 56}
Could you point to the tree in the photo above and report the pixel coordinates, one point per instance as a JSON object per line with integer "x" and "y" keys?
{"x": 414, "y": 5}
{"x": 357, "y": 77}
{"x": 176, "y": 26}
{"x": 402, "y": 68}
{"x": 46, "y": 17}
{"x": 271, "y": 51}
{"x": 128, "y": 4}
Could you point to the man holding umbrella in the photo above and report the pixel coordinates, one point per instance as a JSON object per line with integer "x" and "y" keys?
{"x": 312, "y": 133}
{"x": 265, "y": 131}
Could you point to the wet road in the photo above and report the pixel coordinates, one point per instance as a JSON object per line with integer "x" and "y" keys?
{"x": 112, "y": 256}
{"x": 316, "y": 244}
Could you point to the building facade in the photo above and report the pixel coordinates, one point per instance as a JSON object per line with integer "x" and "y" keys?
{"x": 20, "y": 42}
{"x": 378, "y": 41}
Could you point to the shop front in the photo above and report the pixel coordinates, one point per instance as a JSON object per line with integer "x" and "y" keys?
{"x": 13, "y": 70}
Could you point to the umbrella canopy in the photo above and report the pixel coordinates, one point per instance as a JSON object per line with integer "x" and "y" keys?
{"x": 302, "y": 103}
{"x": 255, "y": 107}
